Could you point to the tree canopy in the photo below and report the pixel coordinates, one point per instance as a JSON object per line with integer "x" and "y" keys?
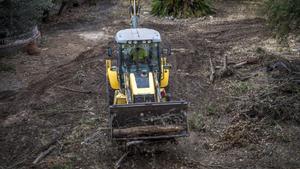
{"x": 283, "y": 16}
{"x": 19, "y": 16}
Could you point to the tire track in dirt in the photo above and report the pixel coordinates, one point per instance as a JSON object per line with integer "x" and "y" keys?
{"x": 30, "y": 102}
{"x": 59, "y": 75}
{"x": 188, "y": 81}
{"x": 194, "y": 44}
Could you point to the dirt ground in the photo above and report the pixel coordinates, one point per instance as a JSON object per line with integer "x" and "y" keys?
{"x": 57, "y": 99}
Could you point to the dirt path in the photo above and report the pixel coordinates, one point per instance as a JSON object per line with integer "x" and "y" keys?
{"x": 60, "y": 96}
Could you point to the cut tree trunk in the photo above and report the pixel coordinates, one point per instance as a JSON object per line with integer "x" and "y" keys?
{"x": 33, "y": 49}
{"x": 146, "y": 130}
{"x": 11, "y": 45}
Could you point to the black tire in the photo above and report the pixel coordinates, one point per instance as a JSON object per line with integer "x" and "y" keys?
{"x": 109, "y": 93}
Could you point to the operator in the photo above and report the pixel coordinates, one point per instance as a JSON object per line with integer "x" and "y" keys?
{"x": 139, "y": 55}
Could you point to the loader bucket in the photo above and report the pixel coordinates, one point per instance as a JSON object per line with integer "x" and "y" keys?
{"x": 144, "y": 121}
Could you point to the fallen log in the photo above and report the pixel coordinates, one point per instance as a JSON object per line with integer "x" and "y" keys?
{"x": 146, "y": 130}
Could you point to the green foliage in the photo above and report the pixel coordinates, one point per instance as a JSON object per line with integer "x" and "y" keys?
{"x": 211, "y": 109}
{"x": 239, "y": 87}
{"x": 196, "y": 122}
{"x": 181, "y": 8}
{"x": 283, "y": 16}
{"x": 7, "y": 68}
{"x": 19, "y": 16}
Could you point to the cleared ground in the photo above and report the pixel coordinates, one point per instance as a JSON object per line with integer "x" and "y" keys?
{"x": 57, "y": 99}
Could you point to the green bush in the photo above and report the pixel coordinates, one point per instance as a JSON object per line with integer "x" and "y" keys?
{"x": 197, "y": 121}
{"x": 19, "y": 16}
{"x": 181, "y": 8}
{"x": 7, "y": 68}
{"x": 283, "y": 16}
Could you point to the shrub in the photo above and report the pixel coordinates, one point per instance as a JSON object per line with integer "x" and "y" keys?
{"x": 7, "y": 68}
{"x": 197, "y": 122}
{"x": 283, "y": 16}
{"x": 19, "y": 16}
{"x": 181, "y": 8}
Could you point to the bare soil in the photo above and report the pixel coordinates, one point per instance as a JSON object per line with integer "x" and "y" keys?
{"x": 58, "y": 98}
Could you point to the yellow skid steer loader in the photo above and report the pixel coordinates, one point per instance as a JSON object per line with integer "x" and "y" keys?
{"x": 139, "y": 103}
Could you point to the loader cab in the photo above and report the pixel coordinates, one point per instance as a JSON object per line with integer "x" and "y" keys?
{"x": 139, "y": 56}
{"x": 138, "y": 51}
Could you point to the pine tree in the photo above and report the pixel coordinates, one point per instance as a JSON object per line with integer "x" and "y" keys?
{"x": 182, "y": 8}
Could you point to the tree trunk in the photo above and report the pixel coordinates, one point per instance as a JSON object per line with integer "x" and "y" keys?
{"x": 146, "y": 130}
{"x": 10, "y": 15}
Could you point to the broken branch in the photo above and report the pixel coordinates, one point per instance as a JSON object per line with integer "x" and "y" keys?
{"x": 42, "y": 155}
{"x": 225, "y": 62}
{"x": 118, "y": 163}
{"x": 213, "y": 71}
{"x": 247, "y": 62}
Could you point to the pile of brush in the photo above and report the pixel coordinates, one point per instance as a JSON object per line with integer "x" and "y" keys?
{"x": 276, "y": 101}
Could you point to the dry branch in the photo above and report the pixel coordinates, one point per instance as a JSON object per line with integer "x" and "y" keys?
{"x": 247, "y": 62}
{"x": 225, "y": 62}
{"x": 118, "y": 163}
{"x": 42, "y": 155}
{"x": 213, "y": 71}
{"x": 48, "y": 148}
{"x": 180, "y": 50}
{"x": 244, "y": 78}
